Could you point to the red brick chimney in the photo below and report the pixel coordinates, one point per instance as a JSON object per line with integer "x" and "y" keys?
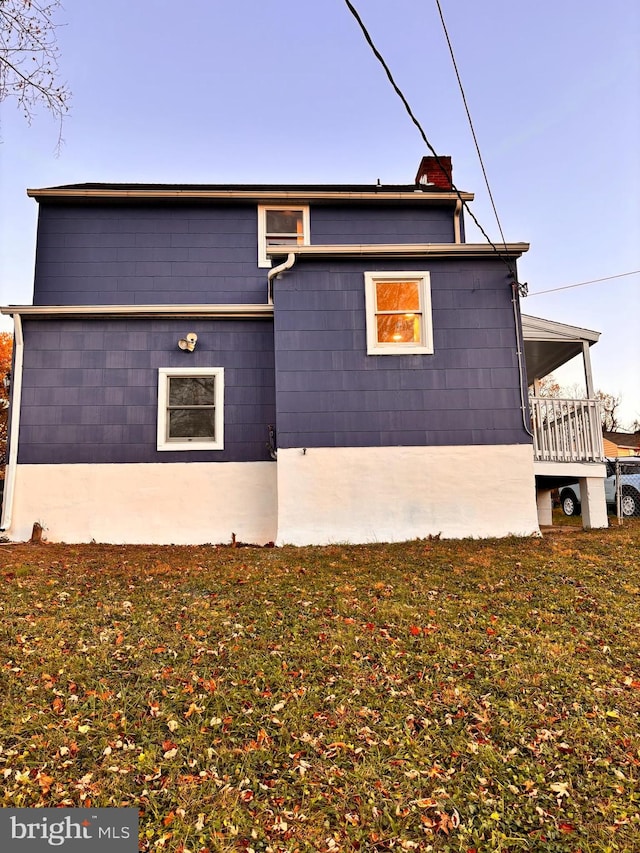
{"x": 436, "y": 171}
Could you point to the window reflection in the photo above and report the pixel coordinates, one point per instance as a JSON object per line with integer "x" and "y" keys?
{"x": 398, "y": 312}
{"x": 398, "y": 328}
{"x": 191, "y": 407}
{"x": 284, "y": 228}
{"x": 398, "y": 296}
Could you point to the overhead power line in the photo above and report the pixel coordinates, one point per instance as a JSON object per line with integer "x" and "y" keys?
{"x": 473, "y": 132}
{"x": 583, "y": 283}
{"x": 407, "y": 106}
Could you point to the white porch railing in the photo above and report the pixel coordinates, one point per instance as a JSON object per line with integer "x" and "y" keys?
{"x": 566, "y": 430}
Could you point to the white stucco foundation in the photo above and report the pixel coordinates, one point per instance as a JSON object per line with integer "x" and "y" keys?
{"x": 316, "y": 496}
{"x": 393, "y": 494}
{"x": 177, "y": 503}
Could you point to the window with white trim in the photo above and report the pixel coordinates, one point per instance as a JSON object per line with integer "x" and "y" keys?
{"x": 191, "y": 408}
{"x": 398, "y": 308}
{"x": 281, "y": 225}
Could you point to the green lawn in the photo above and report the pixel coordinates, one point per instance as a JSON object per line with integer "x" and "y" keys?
{"x": 445, "y": 696}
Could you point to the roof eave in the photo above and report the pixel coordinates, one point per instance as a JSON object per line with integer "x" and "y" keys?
{"x": 44, "y": 312}
{"x": 299, "y": 195}
{"x": 403, "y": 250}
{"x": 539, "y": 329}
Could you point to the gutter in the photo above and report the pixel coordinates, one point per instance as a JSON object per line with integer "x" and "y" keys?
{"x": 14, "y": 425}
{"x": 402, "y": 250}
{"x": 237, "y": 312}
{"x": 300, "y": 195}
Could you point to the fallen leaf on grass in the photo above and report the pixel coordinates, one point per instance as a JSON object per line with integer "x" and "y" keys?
{"x": 44, "y": 781}
{"x": 560, "y": 789}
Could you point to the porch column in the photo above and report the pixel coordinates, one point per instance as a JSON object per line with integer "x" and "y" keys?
{"x": 588, "y": 377}
{"x": 593, "y": 503}
{"x": 545, "y": 506}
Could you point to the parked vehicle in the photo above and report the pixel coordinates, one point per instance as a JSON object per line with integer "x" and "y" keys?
{"x": 629, "y": 468}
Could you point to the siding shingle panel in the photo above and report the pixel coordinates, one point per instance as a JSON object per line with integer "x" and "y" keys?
{"x": 89, "y": 405}
{"x": 331, "y": 393}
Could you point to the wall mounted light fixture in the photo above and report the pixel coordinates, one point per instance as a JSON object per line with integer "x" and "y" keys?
{"x": 188, "y": 343}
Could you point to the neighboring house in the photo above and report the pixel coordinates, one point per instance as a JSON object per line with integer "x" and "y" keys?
{"x": 296, "y": 364}
{"x": 621, "y": 444}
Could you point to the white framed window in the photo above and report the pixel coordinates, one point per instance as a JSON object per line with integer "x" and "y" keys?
{"x": 191, "y": 408}
{"x": 281, "y": 225}
{"x": 398, "y": 306}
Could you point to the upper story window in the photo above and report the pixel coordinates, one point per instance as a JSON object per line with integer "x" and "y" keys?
{"x": 281, "y": 225}
{"x": 398, "y": 308}
{"x": 190, "y": 408}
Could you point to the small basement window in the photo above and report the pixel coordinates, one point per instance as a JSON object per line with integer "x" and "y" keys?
{"x": 398, "y": 308}
{"x": 281, "y": 226}
{"x": 190, "y": 408}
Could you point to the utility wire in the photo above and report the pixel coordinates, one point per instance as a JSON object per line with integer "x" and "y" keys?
{"x": 582, "y": 283}
{"x": 473, "y": 132}
{"x": 413, "y": 118}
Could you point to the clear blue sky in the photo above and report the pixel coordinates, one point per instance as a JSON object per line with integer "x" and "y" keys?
{"x": 289, "y": 91}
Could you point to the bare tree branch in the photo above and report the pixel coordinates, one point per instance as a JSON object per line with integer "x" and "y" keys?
{"x": 609, "y": 407}
{"x": 29, "y": 55}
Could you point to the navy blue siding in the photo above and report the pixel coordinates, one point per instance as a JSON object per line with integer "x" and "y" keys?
{"x": 382, "y": 223}
{"x": 206, "y": 253}
{"x": 147, "y": 255}
{"x": 90, "y": 388}
{"x": 330, "y": 393}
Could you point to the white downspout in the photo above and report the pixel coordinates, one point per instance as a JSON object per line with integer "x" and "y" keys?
{"x": 14, "y": 427}
{"x": 457, "y": 237}
{"x": 275, "y": 271}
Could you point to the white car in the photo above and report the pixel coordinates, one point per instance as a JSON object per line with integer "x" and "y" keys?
{"x": 630, "y": 494}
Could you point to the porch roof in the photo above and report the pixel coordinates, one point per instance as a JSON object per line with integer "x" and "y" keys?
{"x": 548, "y": 344}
